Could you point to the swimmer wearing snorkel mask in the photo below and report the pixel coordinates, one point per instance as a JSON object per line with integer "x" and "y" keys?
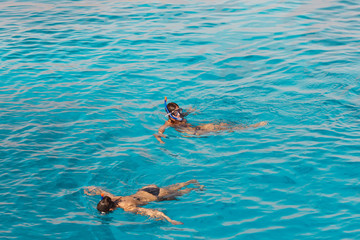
{"x": 176, "y": 119}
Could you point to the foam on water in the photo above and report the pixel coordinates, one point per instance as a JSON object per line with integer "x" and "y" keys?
{"x": 81, "y": 93}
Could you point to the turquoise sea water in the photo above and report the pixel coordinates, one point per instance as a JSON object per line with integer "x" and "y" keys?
{"x": 81, "y": 93}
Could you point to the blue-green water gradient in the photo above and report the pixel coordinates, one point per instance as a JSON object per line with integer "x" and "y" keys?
{"x": 81, "y": 93}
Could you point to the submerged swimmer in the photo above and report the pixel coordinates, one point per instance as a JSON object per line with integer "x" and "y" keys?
{"x": 177, "y": 120}
{"x": 150, "y": 193}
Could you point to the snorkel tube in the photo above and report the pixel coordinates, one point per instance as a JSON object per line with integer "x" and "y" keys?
{"x": 169, "y": 113}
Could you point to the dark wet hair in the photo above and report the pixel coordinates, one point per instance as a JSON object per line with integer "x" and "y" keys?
{"x": 171, "y": 106}
{"x": 105, "y": 204}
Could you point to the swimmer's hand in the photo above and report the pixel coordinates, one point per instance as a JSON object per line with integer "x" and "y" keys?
{"x": 92, "y": 191}
{"x": 189, "y": 110}
{"x": 159, "y": 136}
{"x": 161, "y": 131}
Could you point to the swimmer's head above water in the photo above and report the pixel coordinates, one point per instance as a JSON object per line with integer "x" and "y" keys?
{"x": 173, "y": 111}
{"x": 105, "y": 205}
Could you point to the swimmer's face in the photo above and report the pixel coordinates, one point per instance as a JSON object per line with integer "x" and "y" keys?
{"x": 177, "y": 112}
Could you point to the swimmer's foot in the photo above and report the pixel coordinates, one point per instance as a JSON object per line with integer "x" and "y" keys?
{"x": 174, "y": 222}
{"x": 194, "y": 181}
{"x": 260, "y": 124}
{"x": 263, "y": 123}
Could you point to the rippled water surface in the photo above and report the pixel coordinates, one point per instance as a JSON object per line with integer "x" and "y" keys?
{"x": 81, "y": 93}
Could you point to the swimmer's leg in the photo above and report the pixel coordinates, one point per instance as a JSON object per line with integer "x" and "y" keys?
{"x": 256, "y": 125}
{"x": 153, "y": 214}
{"x": 187, "y": 190}
{"x": 178, "y": 186}
{"x": 174, "y": 194}
{"x": 170, "y": 192}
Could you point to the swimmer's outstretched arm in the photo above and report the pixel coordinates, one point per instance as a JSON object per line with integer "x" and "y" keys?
{"x": 188, "y": 111}
{"x": 92, "y": 191}
{"x": 153, "y": 214}
{"x": 160, "y": 133}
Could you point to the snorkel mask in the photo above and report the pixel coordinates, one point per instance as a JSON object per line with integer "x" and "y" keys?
{"x": 171, "y": 113}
